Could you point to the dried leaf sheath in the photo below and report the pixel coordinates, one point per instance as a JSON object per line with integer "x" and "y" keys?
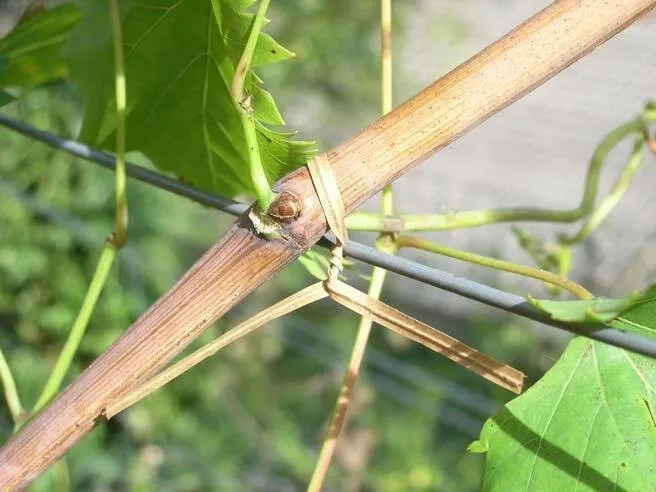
{"x": 404, "y": 325}
{"x": 356, "y": 301}
{"x": 296, "y": 301}
{"x": 329, "y": 195}
{"x": 332, "y": 204}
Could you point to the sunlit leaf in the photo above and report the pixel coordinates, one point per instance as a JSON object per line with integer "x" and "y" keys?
{"x": 635, "y": 312}
{"x": 640, "y": 316}
{"x": 180, "y": 59}
{"x": 598, "y": 309}
{"x": 588, "y": 424}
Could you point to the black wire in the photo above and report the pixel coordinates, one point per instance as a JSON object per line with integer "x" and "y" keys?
{"x": 428, "y": 275}
{"x": 108, "y": 161}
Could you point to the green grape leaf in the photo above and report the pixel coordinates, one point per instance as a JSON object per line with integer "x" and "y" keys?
{"x": 315, "y": 263}
{"x": 588, "y": 424}
{"x": 635, "y": 312}
{"x": 639, "y": 317}
{"x": 598, "y": 309}
{"x": 179, "y": 60}
{"x": 32, "y": 50}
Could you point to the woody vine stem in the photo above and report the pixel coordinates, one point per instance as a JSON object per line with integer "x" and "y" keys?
{"x": 144, "y": 346}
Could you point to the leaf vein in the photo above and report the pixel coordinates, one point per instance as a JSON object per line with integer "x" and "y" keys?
{"x": 605, "y": 396}
{"x": 147, "y": 32}
{"x": 550, "y": 420}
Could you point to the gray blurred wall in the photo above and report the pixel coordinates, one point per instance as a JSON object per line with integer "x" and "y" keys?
{"x": 534, "y": 152}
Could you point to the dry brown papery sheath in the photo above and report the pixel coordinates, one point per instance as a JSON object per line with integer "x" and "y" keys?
{"x": 240, "y": 261}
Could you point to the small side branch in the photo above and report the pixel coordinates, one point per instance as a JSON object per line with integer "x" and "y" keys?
{"x": 476, "y": 218}
{"x": 77, "y": 330}
{"x": 506, "y": 266}
{"x": 378, "y": 275}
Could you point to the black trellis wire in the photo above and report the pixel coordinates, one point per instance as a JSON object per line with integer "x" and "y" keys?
{"x": 428, "y": 275}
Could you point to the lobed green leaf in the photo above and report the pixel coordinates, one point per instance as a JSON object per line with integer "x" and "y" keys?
{"x": 588, "y": 424}
{"x": 180, "y": 59}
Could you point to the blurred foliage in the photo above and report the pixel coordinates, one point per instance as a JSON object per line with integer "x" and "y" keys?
{"x": 253, "y": 417}
{"x": 336, "y": 80}
{"x": 31, "y": 51}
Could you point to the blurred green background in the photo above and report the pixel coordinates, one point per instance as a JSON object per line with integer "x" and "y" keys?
{"x": 253, "y": 417}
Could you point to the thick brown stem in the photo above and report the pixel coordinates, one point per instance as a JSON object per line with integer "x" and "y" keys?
{"x": 240, "y": 261}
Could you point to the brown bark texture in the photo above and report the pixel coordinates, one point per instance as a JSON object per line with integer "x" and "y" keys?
{"x": 241, "y": 260}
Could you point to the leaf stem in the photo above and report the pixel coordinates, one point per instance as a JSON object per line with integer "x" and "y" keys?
{"x": 506, "y": 266}
{"x": 11, "y": 393}
{"x": 348, "y": 383}
{"x": 244, "y": 106}
{"x": 79, "y": 327}
{"x": 387, "y": 206}
{"x": 384, "y": 243}
{"x": 115, "y": 241}
{"x": 649, "y": 113}
{"x": 258, "y": 176}
{"x": 611, "y": 200}
{"x": 244, "y": 63}
{"x": 649, "y": 116}
{"x": 121, "y": 221}
{"x": 476, "y": 218}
